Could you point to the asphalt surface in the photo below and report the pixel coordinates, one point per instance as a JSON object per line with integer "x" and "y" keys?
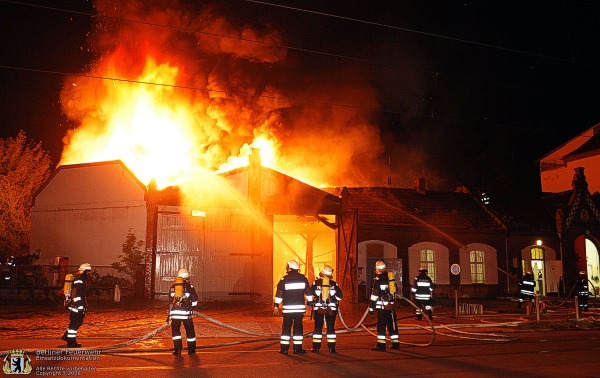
{"x": 242, "y": 339}
{"x": 35, "y": 326}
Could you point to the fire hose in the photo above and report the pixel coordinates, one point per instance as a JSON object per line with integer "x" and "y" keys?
{"x": 360, "y": 324}
{"x": 271, "y": 336}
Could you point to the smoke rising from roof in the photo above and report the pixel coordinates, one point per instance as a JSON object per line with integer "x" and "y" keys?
{"x": 233, "y": 89}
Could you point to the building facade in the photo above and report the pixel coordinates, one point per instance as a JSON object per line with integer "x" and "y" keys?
{"x": 570, "y": 181}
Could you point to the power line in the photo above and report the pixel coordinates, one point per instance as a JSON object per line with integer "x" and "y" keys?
{"x": 434, "y": 73}
{"x": 454, "y": 39}
{"x": 228, "y": 93}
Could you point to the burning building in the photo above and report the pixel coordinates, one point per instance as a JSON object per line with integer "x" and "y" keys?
{"x": 247, "y": 224}
{"x": 167, "y": 123}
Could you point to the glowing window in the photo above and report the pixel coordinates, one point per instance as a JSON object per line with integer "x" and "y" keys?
{"x": 537, "y": 253}
{"x": 477, "y": 266}
{"x": 427, "y": 260}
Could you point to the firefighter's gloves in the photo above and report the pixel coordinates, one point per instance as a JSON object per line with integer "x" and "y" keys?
{"x": 275, "y": 311}
{"x": 371, "y": 310}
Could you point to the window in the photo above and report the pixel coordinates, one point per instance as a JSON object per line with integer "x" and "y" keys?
{"x": 537, "y": 253}
{"x": 477, "y": 266}
{"x": 375, "y": 250}
{"x": 427, "y": 260}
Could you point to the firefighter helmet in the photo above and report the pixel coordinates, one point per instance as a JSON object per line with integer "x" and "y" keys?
{"x": 582, "y": 273}
{"x": 183, "y": 273}
{"x": 528, "y": 271}
{"x": 293, "y": 264}
{"x": 423, "y": 270}
{"x": 379, "y": 266}
{"x": 326, "y": 271}
{"x": 85, "y": 266}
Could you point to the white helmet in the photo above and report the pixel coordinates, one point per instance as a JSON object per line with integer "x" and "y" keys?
{"x": 293, "y": 264}
{"x": 379, "y": 265}
{"x": 326, "y": 271}
{"x": 85, "y": 266}
{"x": 183, "y": 273}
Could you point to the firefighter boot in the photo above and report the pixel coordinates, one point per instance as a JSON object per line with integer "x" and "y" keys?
{"x": 73, "y": 344}
{"x": 284, "y": 349}
{"x": 430, "y": 314}
{"x": 177, "y": 346}
{"x": 316, "y": 348}
{"x": 191, "y": 347}
{"x": 396, "y": 346}
{"x": 379, "y": 348}
{"x": 64, "y": 336}
{"x": 299, "y": 350}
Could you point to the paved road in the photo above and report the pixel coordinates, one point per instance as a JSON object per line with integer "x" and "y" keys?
{"x": 479, "y": 347}
{"x": 531, "y": 354}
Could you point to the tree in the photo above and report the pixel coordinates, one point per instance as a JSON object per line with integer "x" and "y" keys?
{"x": 24, "y": 168}
{"x": 131, "y": 257}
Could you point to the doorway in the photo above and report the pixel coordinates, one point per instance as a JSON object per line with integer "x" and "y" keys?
{"x": 537, "y": 268}
{"x": 592, "y": 264}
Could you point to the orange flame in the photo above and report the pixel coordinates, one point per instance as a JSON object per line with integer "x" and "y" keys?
{"x": 167, "y": 102}
{"x": 153, "y": 137}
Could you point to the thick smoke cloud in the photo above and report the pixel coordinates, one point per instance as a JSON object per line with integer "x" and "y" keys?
{"x": 234, "y": 89}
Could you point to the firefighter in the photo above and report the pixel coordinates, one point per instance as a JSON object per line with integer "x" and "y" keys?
{"x": 327, "y": 294}
{"x": 526, "y": 289}
{"x": 383, "y": 299}
{"x": 77, "y": 305}
{"x": 583, "y": 292}
{"x": 7, "y": 268}
{"x": 291, "y": 290}
{"x": 423, "y": 292}
{"x": 183, "y": 302}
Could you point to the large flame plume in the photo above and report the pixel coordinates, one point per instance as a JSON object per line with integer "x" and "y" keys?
{"x": 168, "y": 94}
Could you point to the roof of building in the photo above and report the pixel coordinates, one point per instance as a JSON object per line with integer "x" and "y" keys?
{"x": 591, "y": 146}
{"x": 399, "y": 207}
{"x": 583, "y": 144}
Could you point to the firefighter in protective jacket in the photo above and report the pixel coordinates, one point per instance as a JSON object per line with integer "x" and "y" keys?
{"x": 583, "y": 291}
{"x": 327, "y": 295}
{"x": 183, "y": 302}
{"x": 383, "y": 299}
{"x": 526, "y": 288}
{"x": 423, "y": 291}
{"x": 77, "y": 304}
{"x": 291, "y": 290}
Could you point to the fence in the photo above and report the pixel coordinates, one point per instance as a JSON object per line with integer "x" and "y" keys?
{"x": 470, "y": 309}
{"x": 52, "y": 276}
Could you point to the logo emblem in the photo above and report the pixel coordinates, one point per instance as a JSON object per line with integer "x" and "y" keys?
{"x": 16, "y": 362}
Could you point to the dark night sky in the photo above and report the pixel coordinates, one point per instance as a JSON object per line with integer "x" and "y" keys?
{"x": 481, "y": 90}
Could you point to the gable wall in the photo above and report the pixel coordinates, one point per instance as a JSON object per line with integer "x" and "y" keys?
{"x": 85, "y": 213}
{"x": 560, "y": 179}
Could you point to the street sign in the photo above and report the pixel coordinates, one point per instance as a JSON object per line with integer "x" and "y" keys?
{"x": 455, "y": 269}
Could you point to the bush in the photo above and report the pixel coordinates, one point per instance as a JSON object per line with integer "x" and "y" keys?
{"x": 131, "y": 257}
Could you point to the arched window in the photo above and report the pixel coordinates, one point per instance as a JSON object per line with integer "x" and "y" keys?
{"x": 427, "y": 260}
{"x": 537, "y": 253}
{"x": 477, "y": 266}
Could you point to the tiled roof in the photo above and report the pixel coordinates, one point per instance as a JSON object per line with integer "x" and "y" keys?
{"x": 408, "y": 208}
{"x": 592, "y": 145}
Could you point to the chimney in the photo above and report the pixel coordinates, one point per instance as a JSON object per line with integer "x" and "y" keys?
{"x": 420, "y": 185}
{"x": 254, "y": 178}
